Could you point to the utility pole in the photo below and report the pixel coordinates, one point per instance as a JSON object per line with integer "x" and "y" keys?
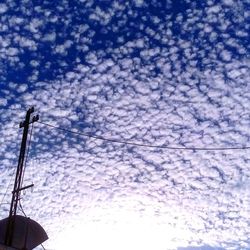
{"x": 19, "y": 178}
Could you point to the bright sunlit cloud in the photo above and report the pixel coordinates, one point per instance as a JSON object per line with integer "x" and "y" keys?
{"x": 114, "y": 228}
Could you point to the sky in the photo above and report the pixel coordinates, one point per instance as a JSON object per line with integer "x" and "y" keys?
{"x": 158, "y": 73}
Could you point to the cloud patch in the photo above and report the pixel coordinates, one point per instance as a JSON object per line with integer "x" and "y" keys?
{"x": 136, "y": 71}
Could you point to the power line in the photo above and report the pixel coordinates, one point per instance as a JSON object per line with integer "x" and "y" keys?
{"x": 8, "y": 186}
{"x": 43, "y": 247}
{"x": 21, "y": 208}
{"x": 7, "y": 189}
{"x": 145, "y": 145}
{"x": 27, "y": 154}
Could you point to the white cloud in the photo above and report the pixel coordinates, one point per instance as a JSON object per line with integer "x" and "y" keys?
{"x": 49, "y": 37}
{"x": 22, "y": 88}
{"x": 3, "y": 8}
{"x": 3, "y": 102}
{"x": 12, "y": 51}
{"x": 187, "y": 88}
{"x": 228, "y": 2}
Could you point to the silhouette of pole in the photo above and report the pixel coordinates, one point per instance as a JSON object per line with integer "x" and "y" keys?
{"x": 19, "y": 176}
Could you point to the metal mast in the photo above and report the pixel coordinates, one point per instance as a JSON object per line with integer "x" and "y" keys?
{"x": 19, "y": 177}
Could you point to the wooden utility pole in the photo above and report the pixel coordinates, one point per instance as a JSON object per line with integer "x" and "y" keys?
{"x": 19, "y": 177}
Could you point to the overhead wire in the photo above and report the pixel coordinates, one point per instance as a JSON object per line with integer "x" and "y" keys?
{"x": 27, "y": 154}
{"x": 21, "y": 208}
{"x": 8, "y": 186}
{"x": 144, "y": 145}
{"x": 43, "y": 247}
{"x": 7, "y": 189}
{"x": 24, "y": 168}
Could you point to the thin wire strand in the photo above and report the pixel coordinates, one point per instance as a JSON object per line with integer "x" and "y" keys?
{"x": 21, "y": 208}
{"x": 43, "y": 247}
{"x": 7, "y": 189}
{"x": 10, "y": 181}
{"x": 27, "y": 154}
{"x": 25, "y": 164}
{"x": 145, "y": 145}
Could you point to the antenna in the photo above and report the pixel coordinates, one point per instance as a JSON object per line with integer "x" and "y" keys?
{"x": 21, "y": 232}
{"x": 18, "y": 180}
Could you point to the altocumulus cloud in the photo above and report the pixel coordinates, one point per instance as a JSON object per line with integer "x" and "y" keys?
{"x": 173, "y": 73}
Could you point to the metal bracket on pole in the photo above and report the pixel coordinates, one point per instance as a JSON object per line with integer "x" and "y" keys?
{"x": 23, "y": 188}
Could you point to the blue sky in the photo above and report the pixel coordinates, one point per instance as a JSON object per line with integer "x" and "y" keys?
{"x": 165, "y": 73}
